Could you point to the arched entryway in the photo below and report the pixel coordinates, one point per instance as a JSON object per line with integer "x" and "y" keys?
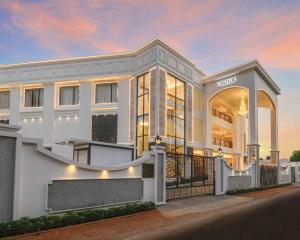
{"x": 228, "y": 125}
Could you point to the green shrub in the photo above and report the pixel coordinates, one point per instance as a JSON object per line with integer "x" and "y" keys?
{"x": 30, "y": 225}
{"x": 246, "y": 190}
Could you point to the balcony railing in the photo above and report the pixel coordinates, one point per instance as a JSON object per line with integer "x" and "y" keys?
{"x": 222, "y": 142}
{"x": 222, "y": 115}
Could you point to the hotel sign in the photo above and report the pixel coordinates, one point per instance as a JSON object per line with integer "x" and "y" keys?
{"x": 227, "y": 81}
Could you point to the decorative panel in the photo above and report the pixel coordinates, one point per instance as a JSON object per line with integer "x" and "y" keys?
{"x": 162, "y": 103}
{"x": 189, "y": 112}
{"x": 81, "y": 193}
{"x": 153, "y": 97}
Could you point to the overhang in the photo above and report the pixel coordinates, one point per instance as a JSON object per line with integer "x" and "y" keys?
{"x": 252, "y": 65}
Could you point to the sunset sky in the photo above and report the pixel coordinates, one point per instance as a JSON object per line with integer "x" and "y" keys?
{"x": 214, "y": 34}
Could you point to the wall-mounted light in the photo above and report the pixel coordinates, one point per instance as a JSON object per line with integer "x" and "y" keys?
{"x": 253, "y": 157}
{"x": 25, "y": 120}
{"x": 157, "y": 140}
{"x": 220, "y": 151}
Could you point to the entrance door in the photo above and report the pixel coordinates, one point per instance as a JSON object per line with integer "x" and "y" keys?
{"x": 189, "y": 175}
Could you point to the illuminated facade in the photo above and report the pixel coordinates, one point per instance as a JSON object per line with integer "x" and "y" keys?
{"x": 130, "y": 98}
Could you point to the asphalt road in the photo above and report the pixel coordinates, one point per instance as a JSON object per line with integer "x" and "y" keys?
{"x": 276, "y": 218}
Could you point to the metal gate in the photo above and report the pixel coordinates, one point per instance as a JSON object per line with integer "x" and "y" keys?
{"x": 189, "y": 175}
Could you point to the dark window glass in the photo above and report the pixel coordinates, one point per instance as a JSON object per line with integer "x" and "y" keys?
{"x": 104, "y": 128}
{"x": 6, "y": 121}
{"x": 34, "y": 97}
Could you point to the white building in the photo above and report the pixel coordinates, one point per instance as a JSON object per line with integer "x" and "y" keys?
{"x": 129, "y": 98}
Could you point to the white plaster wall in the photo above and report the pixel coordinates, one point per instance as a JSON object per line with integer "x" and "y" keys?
{"x": 108, "y": 156}
{"x": 37, "y": 169}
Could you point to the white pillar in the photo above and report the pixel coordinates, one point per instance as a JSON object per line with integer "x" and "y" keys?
{"x": 15, "y": 101}
{"x": 49, "y": 114}
{"x": 274, "y": 136}
{"x": 253, "y": 147}
{"x": 85, "y": 92}
{"x": 123, "y": 112}
{"x": 159, "y": 154}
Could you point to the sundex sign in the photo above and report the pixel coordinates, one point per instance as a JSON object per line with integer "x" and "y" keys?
{"x": 227, "y": 81}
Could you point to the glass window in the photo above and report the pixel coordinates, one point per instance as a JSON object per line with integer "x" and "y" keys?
{"x": 69, "y": 95}
{"x": 175, "y": 115}
{"x": 142, "y": 128}
{"x": 106, "y": 93}
{"x": 105, "y": 128}
{"x": 4, "y": 99}
{"x": 34, "y": 97}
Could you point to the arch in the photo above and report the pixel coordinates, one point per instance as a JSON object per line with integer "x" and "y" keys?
{"x": 261, "y": 93}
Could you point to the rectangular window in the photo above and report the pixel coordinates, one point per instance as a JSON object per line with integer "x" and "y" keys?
{"x": 175, "y": 115}
{"x": 69, "y": 95}
{"x": 105, "y": 128}
{"x": 34, "y": 97}
{"x": 142, "y": 120}
{"x": 4, "y": 99}
{"x": 106, "y": 93}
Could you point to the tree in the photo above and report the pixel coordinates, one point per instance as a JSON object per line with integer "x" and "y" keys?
{"x": 295, "y": 156}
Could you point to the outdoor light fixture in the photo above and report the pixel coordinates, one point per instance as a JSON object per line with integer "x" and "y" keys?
{"x": 220, "y": 151}
{"x": 157, "y": 140}
{"x": 243, "y": 109}
{"x": 253, "y": 157}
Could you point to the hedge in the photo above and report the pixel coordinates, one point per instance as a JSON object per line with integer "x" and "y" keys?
{"x": 30, "y": 225}
{"x": 254, "y": 189}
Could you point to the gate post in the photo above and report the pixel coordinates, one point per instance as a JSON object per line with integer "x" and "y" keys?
{"x": 219, "y": 176}
{"x": 159, "y": 154}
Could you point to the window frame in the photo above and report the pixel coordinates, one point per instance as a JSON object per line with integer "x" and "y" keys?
{"x": 33, "y": 88}
{"x": 6, "y": 90}
{"x": 95, "y": 92}
{"x": 175, "y": 116}
{"x": 59, "y": 91}
{"x": 144, "y": 115}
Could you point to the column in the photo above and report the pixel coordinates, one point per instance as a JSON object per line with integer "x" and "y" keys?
{"x": 15, "y": 101}
{"x": 123, "y": 111}
{"x": 274, "y": 137}
{"x": 85, "y": 92}
{"x": 49, "y": 113}
{"x": 253, "y": 147}
{"x": 159, "y": 154}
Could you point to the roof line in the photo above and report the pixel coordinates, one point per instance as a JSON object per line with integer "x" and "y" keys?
{"x": 105, "y": 56}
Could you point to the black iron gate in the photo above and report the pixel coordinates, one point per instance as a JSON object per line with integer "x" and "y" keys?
{"x": 189, "y": 175}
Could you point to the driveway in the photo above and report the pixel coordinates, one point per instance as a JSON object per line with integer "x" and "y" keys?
{"x": 183, "y": 219}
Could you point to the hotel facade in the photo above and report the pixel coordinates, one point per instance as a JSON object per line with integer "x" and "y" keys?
{"x": 130, "y": 98}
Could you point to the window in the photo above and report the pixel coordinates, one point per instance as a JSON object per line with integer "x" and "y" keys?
{"x": 106, "y": 93}
{"x": 6, "y": 121}
{"x": 4, "y": 99}
{"x": 175, "y": 115}
{"x": 69, "y": 95}
{"x": 34, "y": 97}
{"x": 105, "y": 128}
{"x": 142, "y": 120}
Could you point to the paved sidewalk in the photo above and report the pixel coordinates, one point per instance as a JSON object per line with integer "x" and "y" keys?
{"x": 175, "y": 215}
